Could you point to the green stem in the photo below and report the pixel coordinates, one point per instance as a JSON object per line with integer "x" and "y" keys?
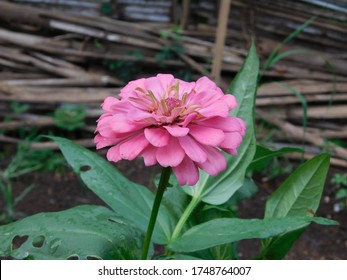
{"x": 163, "y": 183}
{"x": 186, "y": 214}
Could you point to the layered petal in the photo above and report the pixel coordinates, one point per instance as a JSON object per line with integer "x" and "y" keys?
{"x": 206, "y": 135}
{"x": 176, "y": 130}
{"x": 158, "y": 137}
{"x": 229, "y": 124}
{"x": 231, "y": 140}
{"x": 170, "y": 155}
{"x": 132, "y": 147}
{"x": 193, "y": 149}
{"x": 187, "y": 172}
{"x": 113, "y": 154}
{"x": 215, "y": 162}
{"x": 149, "y": 155}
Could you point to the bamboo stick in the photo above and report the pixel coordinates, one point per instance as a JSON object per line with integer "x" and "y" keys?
{"x": 220, "y": 40}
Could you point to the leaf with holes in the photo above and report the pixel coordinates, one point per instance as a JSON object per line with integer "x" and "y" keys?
{"x": 218, "y": 189}
{"x": 83, "y": 232}
{"x": 128, "y": 199}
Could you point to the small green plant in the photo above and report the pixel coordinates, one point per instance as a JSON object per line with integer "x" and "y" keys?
{"x": 70, "y": 116}
{"x": 23, "y": 162}
{"x": 173, "y": 47}
{"x": 19, "y": 108}
{"x": 106, "y": 7}
{"x": 123, "y": 69}
{"x": 340, "y": 180}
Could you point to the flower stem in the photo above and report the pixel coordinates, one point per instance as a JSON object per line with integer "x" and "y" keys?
{"x": 163, "y": 183}
{"x": 187, "y": 212}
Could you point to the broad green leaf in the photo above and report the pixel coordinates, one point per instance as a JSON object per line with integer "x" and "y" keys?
{"x": 221, "y": 231}
{"x": 181, "y": 257}
{"x": 298, "y": 195}
{"x": 82, "y": 232}
{"x": 130, "y": 200}
{"x": 217, "y": 190}
{"x": 264, "y": 155}
{"x": 225, "y": 251}
{"x": 302, "y": 190}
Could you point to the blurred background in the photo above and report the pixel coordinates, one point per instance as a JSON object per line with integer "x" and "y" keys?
{"x": 59, "y": 59}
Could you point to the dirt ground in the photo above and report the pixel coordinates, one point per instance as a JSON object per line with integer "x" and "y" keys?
{"x": 59, "y": 191}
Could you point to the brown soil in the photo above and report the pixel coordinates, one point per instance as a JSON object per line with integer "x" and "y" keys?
{"x": 59, "y": 191}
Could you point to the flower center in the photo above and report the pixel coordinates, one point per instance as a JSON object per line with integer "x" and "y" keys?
{"x": 172, "y": 103}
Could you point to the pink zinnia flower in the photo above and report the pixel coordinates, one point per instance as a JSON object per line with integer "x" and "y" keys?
{"x": 173, "y": 123}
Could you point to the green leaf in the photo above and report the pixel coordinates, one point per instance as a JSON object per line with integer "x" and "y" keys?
{"x": 264, "y": 155}
{"x": 217, "y": 190}
{"x": 302, "y": 190}
{"x": 130, "y": 200}
{"x": 180, "y": 257}
{"x": 221, "y": 231}
{"x": 225, "y": 251}
{"x": 87, "y": 231}
{"x": 247, "y": 190}
{"x": 297, "y": 196}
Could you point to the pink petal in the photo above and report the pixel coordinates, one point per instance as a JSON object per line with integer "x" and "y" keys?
{"x": 206, "y": 135}
{"x": 170, "y": 155}
{"x": 187, "y": 173}
{"x": 131, "y": 148}
{"x": 158, "y": 137}
{"x": 230, "y": 124}
{"x": 166, "y": 80}
{"x": 113, "y": 154}
{"x": 121, "y": 124}
{"x": 138, "y": 115}
{"x": 230, "y": 100}
{"x": 215, "y": 162}
{"x": 193, "y": 149}
{"x": 155, "y": 86}
{"x": 185, "y": 87}
{"x": 218, "y": 108}
{"x": 102, "y": 142}
{"x": 141, "y": 103}
{"x": 232, "y": 152}
{"x": 189, "y": 118}
{"x": 149, "y": 155}
{"x": 205, "y": 84}
{"x": 131, "y": 88}
{"x": 108, "y": 103}
{"x": 176, "y": 130}
{"x": 231, "y": 141}
{"x": 104, "y": 126}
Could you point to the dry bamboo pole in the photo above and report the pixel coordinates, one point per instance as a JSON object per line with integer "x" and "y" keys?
{"x": 185, "y": 14}
{"x": 319, "y": 112}
{"x": 220, "y": 40}
{"x": 296, "y": 133}
{"x": 333, "y": 161}
{"x": 28, "y": 121}
{"x": 54, "y": 95}
{"x": 285, "y": 100}
{"x": 305, "y": 87}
